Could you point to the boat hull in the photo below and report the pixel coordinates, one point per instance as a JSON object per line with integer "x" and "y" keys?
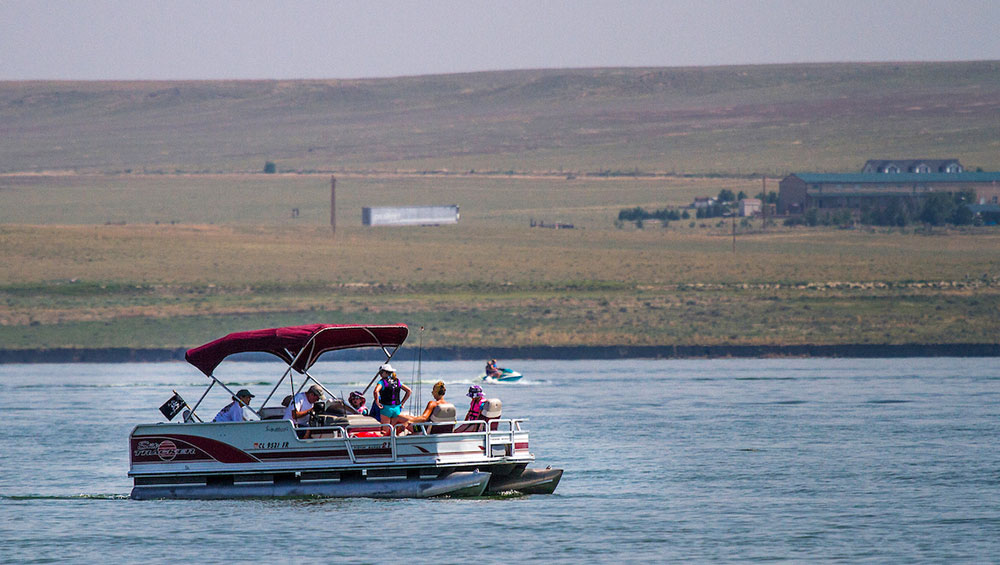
{"x": 458, "y": 484}
{"x": 269, "y": 459}
{"x": 528, "y": 481}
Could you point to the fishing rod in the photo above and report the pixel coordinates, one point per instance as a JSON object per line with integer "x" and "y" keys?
{"x": 415, "y": 383}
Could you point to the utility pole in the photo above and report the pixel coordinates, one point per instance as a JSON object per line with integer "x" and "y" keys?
{"x": 763, "y": 203}
{"x": 333, "y": 204}
{"x": 734, "y": 233}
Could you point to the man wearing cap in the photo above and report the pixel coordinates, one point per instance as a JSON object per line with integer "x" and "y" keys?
{"x": 238, "y": 410}
{"x": 300, "y": 406}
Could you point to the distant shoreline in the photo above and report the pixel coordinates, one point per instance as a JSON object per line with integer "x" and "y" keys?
{"x": 868, "y": 351}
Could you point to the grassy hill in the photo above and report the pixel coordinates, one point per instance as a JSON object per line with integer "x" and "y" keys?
{"x": 702, "y": 121}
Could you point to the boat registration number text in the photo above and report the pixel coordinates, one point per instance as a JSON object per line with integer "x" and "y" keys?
{"x": 270, "y": 444}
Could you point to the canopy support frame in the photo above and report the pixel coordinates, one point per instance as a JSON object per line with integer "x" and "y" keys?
{"x": 307, "y": 355}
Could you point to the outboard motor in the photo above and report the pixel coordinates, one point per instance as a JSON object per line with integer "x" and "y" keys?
{"x": 491, "y": 411}
{"x": 492, "y": 408}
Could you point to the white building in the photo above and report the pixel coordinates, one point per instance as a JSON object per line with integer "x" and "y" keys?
{"x": 750, "y": 207}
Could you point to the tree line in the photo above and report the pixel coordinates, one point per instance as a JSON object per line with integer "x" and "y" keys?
{"x": 724, "y": 205}
{"x": 935, "y": 209}
{"x": 640, "y": 215}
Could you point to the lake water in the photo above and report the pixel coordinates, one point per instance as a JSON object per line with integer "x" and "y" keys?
{"x": 710, "y": 460}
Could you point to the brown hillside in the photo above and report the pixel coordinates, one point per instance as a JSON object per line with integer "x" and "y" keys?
{"x": 717, "y": 120}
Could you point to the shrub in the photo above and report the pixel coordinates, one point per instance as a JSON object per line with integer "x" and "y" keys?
{"x": 937, "y": 209}
{"x": 770, "y": 198}
{"x": 638, "y": 215}
{"x": 713, "y": 211}
{"x": 811, "y": 217}
{"x": 962, "y": 216}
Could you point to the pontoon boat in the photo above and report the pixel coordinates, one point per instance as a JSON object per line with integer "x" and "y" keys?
{"x": 340, "y": 454}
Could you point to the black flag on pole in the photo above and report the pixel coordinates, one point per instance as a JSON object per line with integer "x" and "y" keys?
{"x": 173, "y": 406}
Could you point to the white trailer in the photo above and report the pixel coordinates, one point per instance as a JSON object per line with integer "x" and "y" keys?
{"x": 409, "y": 215}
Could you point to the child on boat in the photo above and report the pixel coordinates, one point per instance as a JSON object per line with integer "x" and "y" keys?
{"x": 476, "y": 406}
{"x": 357, "y": 401}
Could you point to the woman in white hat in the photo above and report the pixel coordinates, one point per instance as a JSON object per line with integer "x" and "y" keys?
{"x": 387, "y": 396}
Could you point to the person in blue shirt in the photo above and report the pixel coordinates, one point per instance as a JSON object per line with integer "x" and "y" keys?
{"x": 492, "y": 371}
{"x": 387, "y": 396}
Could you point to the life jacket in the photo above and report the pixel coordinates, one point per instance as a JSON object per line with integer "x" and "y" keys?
{"x": 389, "y": 394}
{"x": 475, "y": 409}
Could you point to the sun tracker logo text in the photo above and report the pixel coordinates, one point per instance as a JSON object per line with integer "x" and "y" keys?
{"x": 166, "y": 450}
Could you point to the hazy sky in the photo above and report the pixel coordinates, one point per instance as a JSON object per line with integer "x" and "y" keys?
{"x": 206, "y": 39}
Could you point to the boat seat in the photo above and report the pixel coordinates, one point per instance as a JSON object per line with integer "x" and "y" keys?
{"x": 363, "y": 426}
{"x": 327, "y": 420}
{"x": 336, "y": 407}
{"x": 444, "y": 412}
{"x": 491, "y": 410}
{"x": 272, "y": 413}
{"x": 359, "y": 420}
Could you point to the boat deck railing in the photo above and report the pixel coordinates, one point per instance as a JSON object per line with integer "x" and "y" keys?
{"x": 493, "y": 432}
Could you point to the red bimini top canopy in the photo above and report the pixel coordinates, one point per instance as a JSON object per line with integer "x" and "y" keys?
{"x": 287, "y": 343}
